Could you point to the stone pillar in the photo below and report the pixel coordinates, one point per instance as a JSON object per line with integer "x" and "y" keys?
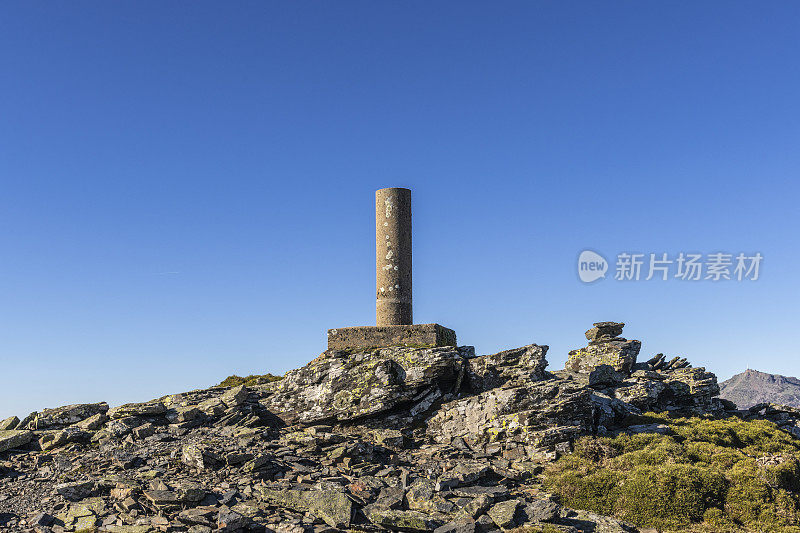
{"x": 393, "y": 257}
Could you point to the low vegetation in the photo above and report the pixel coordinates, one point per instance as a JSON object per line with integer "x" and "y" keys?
{"x": 235, "y": 381}
{"x": 706, "y": 475}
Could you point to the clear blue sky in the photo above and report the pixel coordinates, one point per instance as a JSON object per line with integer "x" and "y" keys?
{"x": 187, "y": 187}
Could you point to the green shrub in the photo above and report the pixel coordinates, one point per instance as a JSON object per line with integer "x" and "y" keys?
{"x": 708, "y": 475}
{"x": 235, "y": 381}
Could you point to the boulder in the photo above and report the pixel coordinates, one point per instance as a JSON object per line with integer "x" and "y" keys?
{"x": 603, "y": 376}
{"x": 542, "y": 510}
{"x": 334, "y": 507}
{"x": 604, "y": 331}
{"x": 11, "y": 438}
{"x": 541, "y": 414}
{"x": 65, "y": 416}
{"x": 9, "y": 423}
{"x": 504, "y": 513}
{"x": 65, "y": 436}
{"x": 644, "y": 395}
{"x": 507, "y": 368}
{"x": 154, "y": 408}
{"x": 76, "y": 490}
{"x": 618, "y": 353}
{"x": 338, "y": 386}
{"x": 93, "y": 423}
{"x": 403, "y": 520}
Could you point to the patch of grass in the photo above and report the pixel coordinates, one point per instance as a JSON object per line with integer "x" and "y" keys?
{"x": 714, "y": 475}
{"x": 235, "y": 381}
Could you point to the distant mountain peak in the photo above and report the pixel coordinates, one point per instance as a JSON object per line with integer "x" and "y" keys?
{"x": 753, "y": 386}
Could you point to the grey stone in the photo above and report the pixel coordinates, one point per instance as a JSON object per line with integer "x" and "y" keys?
{"x": 236, "y": 396}
{"x": 403, "y": 520}
{"x": 619, "y": 353}
{"x": 154, "y": 408}
{"x": 484, "y": 524}
{"x": 76, "y": 490}
{"x": 506, "y": 368}
{"x": 63, "y": 437}
{"x": 12, "y": 438}
{"x": 92, "y": 423}
{"x": 340, "y": 387}
{"x": 331, "y": 506}
{"x": 662, "y": 429}
{"x": 543, "y": 510}
{"x": 604, "y": 330}
{"x": 504, "y": 513}
{"x": 605, "y": 376}
{"x": 643, "y": 395}
{"x": 458, "y": 526}
{"x": 144, "y": 431}
{"x": 541, "y": 414}
{"x": 229, "y": 521}
{"x": 67, "y": 415}
{"x": 422, "y": 496}
{"x": 9, "y": 423}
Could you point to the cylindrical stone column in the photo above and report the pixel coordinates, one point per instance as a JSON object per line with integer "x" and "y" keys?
{"x": 393, "y": 257}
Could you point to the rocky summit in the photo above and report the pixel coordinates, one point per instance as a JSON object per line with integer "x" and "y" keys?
{"x": 387, "y": 439}
{"x": 752, "y": 387}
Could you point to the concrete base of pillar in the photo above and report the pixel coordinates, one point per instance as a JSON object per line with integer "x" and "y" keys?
{"x": 382, "y": 336}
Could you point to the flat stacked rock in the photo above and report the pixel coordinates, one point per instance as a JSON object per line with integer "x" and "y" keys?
{"x": 606, "y": 347}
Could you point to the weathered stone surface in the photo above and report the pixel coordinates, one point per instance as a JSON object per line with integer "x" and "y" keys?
{"x": 694, "y": 383}
{"x": 137, "y": 409}
{"x": 542, "y": 510}
{"x": 76, "y": 490}
{"x": 643, "y": 395}
{"x": 510, "y": 367}
{"x": 9, "y": 423}
{"x": 618, "y": 353}
{"x": 403, "y": 520}
{"x": 605, "y": 376}
{"x": 367, "y": 337}
{"x": 392, "y": 438}
{"x": 93, "y": 422}
{"x": 459, "y": 526}
{"x": 604, "y": 330}
{"x": 338, "y": 386}
{"x": 542, "y": 414}
{"x": 422, "y": 495}
{"x": 331, "y": 506}
{"x": 504, "y": 513}
{"x": 67, "y": 415}
{"x": 236, "y": 396}
{"x": 63, "y": 437}
{"x": 11, "y": 438}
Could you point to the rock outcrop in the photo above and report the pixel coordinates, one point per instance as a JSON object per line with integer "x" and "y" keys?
{"x": 605, "y": 347}
{"x": 392, "y": 439}
{"x": 340, "y": 386}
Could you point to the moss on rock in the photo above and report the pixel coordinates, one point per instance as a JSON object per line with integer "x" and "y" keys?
{"x": 253, "y": 379}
